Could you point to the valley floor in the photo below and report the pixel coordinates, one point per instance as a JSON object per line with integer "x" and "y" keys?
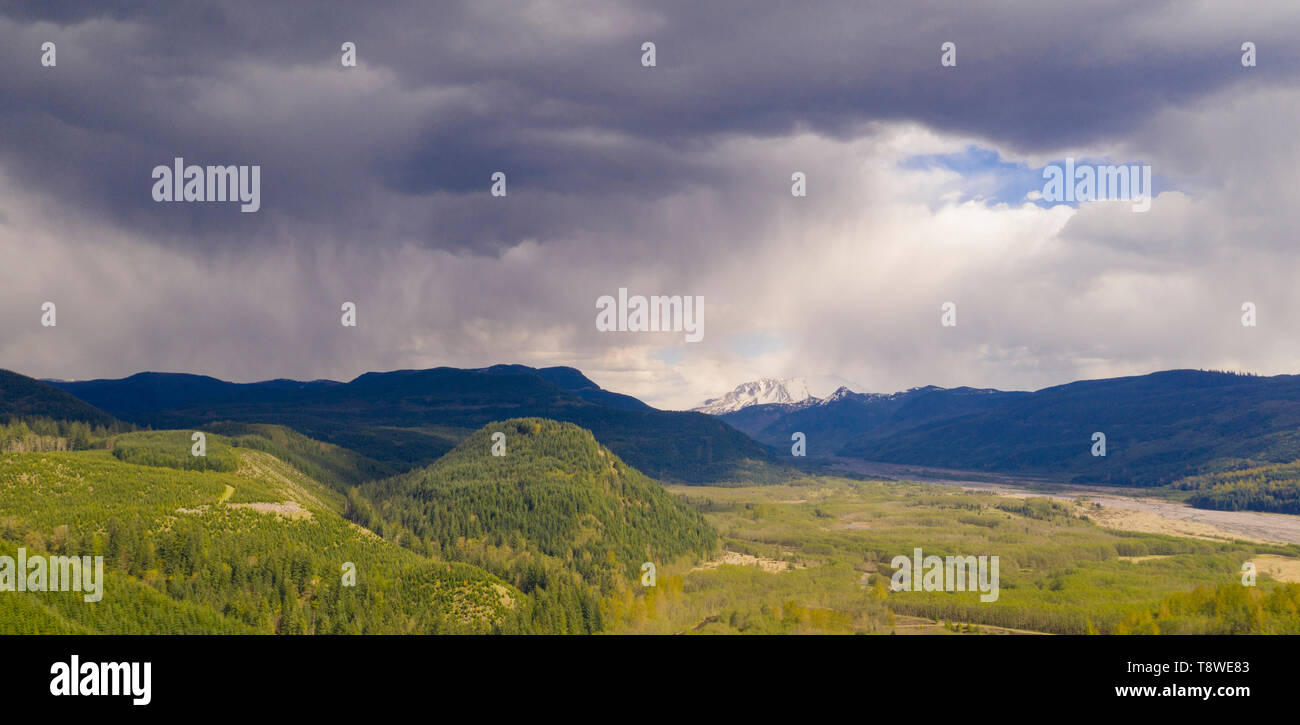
{"x": 1130, "y": 509}
{"x": 814, "y": 557}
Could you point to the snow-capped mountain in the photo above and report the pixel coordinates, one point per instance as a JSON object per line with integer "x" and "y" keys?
{"x": 843, "y": 393}
{"x": 764, "y": 391}
{"x": 844, "y": 417}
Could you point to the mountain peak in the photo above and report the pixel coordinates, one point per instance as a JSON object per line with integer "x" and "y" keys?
{"x": 840, "y": 393}
{"x": 764, "y": 391}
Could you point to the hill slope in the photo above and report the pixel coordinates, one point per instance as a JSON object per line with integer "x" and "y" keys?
{"x": 259, "y": 549}
{"x": 556, "y": 497}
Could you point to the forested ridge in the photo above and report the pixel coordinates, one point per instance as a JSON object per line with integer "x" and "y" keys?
{"x": 556, "y": 511}
{"x": 1270, "y": 487}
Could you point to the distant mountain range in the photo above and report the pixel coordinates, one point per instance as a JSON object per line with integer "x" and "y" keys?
{"x": 409, "y": 418}
{"x": 1158, "y": 427}
{"x": 844, "y": 415}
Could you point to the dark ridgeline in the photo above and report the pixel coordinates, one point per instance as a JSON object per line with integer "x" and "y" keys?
{"x": 408, "y": 418}
{"x": 22, "y": 397}
{"x": 1159, "y": 427}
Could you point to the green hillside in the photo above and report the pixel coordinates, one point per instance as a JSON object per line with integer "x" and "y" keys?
{"x": 336, "y": 467}
{"x": 172, "y": 449}
{"x": 1241, "y": 486}
{"x": 259, "y": 549}
{"x": 556, "y": 502}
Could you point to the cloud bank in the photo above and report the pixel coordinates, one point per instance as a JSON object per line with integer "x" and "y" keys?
{"x": 667, "y": 180}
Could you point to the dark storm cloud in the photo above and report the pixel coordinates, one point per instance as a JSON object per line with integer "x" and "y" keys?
{"x": 401, "y": 149}
{"x": 666, "y": 180}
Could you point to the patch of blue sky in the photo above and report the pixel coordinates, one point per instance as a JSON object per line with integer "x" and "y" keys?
{"x": 986, "y": 177}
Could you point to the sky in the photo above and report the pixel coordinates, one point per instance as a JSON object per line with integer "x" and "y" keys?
{"x": 923, "y": 186}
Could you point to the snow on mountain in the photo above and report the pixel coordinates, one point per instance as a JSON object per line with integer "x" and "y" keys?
{"x": 765, "y": 391}
{"x": 793, "y": 394}
{"x": 842, "y": 393}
